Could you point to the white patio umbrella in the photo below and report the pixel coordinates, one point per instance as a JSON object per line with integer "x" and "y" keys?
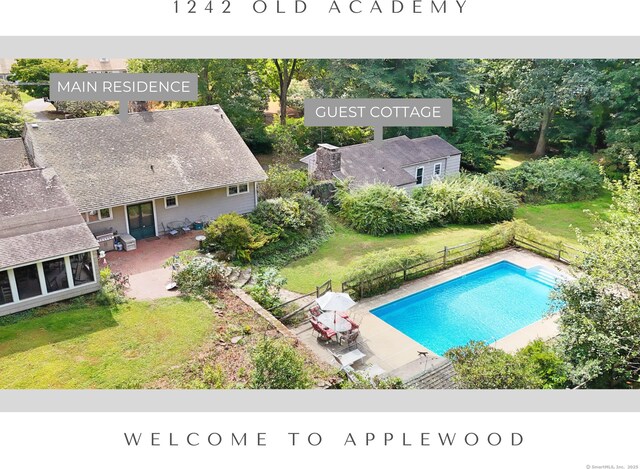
{"x": 332, "y": 301}
{"x": 335, "y": 302}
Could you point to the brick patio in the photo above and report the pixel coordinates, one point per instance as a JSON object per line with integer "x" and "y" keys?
{"x": 147, "y": 277}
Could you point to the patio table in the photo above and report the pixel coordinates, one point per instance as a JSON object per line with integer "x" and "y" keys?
{"x": 334, "y": 321}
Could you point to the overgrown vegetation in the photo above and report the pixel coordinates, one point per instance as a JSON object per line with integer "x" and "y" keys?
{"x": 12, "y": 116}
{"x": 201, "y": 276}
{"x": 283, "y": 181}
{"x": 233, "y": 236}
{"x": 479, "y": 366}
{"x": 466, "y": 200}
{"x": 381, "y": 209}
{"x": 600, "y": 311}
{"x": 277, "y": 365}
{"x": 552, "y": 180}
{"x": 266, "y": 289}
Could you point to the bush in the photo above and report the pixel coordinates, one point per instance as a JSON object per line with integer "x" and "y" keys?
{"x": 112, "y": 287}
{"x": 466, "y": 200}
{"x": 233, "y": 234}
{"x": 201, "y": 276}
{"x": 266, "y": 290}
{"x": 278, "y": 366}
{"x": 283, "y": 181}
{"x": 552, "y": 180}
{"x": 381, "y": 209}
{"x": 294, "y": 228}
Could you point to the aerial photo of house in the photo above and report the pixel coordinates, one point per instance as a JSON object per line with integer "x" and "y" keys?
{"x": 216, "y": 245}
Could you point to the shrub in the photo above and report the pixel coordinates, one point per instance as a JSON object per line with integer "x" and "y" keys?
{"x": 381, "y": 209}
{"x": 552, "y": 180}
{"x": 283, "y": 181}
{"x": 466, "y": 200}
{"x": 277, "y": 365}
{"x": 266, "y": 290}
{"x": 201, "y": 276}
{"x": 112, "y": 287}
{"x": 234, "y": 235}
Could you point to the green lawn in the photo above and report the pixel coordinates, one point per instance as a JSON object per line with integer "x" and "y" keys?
{"x": 513, "y": 160}
{"x": 562, "y": 219}
{"x": 86, "y": 346}
{"x": 346, "y": 245}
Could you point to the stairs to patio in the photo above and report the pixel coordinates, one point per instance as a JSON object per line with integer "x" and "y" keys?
{"x": 240, "y": 277}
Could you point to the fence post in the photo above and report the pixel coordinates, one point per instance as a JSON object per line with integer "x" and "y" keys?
{"x": 444, "y": 256}
{"x": 560, "y": 251}
{"x": 361, "y": 289}
{"x": 330, "y": 286}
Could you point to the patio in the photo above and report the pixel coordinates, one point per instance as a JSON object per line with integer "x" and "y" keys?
{"x": 400, "y": 355}
{"x": 147, "y": 277}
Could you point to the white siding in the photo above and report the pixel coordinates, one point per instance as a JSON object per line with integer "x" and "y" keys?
{"x": 450, "y": 166}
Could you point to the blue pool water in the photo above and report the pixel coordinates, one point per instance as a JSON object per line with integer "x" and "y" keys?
{"x": 486, "y": 305}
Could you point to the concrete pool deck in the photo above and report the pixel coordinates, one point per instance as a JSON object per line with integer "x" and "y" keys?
{"x": 390, "y": 349}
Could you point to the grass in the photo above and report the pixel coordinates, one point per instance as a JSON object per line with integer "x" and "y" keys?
{"x": 77, "y": 345}
{"x": 333, "y": 258}
{"x": 346, "y": 245}
{"x": 513, "y": 160}
{"x": 562, "y": 219}
{"x": 25, "y": 98}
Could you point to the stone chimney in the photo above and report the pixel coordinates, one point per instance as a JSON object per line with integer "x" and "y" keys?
{"x": 327, "y": 162}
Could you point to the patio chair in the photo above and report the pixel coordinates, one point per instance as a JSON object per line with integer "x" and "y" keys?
{"x": 169, "y": 231}
{"x": 315, "y": 311}
{"x": 186, "y": 225}
{"x": 350, "y": 337}
{"x": 175, "y": 226}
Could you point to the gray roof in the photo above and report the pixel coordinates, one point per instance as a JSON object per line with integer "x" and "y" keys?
{"x": 104, "y": 65}
{"x": 369, "y": 163}
{"x": 13, "y": 155}
{"x": 104, "y": 162}
{"x": 38, "y": 219}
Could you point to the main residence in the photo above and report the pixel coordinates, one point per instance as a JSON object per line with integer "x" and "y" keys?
{"x": 108, "y": 177}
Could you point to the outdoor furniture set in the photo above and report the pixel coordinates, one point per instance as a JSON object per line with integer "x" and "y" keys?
{"x": 175, "y": 228}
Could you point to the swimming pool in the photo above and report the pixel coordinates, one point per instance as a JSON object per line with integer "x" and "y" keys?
{"x": 486, "y": 305}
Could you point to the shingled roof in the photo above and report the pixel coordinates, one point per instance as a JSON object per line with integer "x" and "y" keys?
{"x": 13, "y": 155}
{"x": 38, "y": 219}
{"x": 105, "y": 162}
{"x": 369, "y": 163}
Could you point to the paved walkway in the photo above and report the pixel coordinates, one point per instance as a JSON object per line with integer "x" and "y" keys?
{"x": 390, "y": 349}
{"x": 144, "y": 266}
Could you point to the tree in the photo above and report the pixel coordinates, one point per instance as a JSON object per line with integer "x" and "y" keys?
{"x": 84, "y": 108}
{"x": 544, "y": 89}
{"x": 36, "y": 72}
{"x": 12, "y": 117}
{"x": 285, "y": 72}
{"x": 600, "y": 311}
{"x": 283, "y": 181}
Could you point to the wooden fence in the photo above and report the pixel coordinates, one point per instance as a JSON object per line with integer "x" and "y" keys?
{"x": 309, "y": 298}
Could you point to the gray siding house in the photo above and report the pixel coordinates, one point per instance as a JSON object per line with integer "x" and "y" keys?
{"x": 401, "y": 162}
{"x": 67, "y": 181}
{"x": 156, "y": 168}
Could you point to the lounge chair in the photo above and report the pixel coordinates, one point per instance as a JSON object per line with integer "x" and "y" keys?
{"x": 349, "y": 358}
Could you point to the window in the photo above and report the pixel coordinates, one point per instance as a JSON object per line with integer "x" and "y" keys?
{"x": 82, "y": 268}
{"x": 95, "y": 216}
{"x": 171, "y": 201}
{"x": 419, "y": 175}
{"x": 55, "y": 275}
{"x": 437, "y": 169}
{"x": 28, "y": 281}
{"x": 5, "y": 288}
{"x": 239, "y": 189}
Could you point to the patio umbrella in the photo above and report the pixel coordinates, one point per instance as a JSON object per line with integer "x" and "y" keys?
{"x": 335, "y": 302}
{"x": 332, "y": 301}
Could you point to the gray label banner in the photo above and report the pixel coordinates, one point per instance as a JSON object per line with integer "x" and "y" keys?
{"x": 378, "y": 112}
{"x": 123, "y": 87}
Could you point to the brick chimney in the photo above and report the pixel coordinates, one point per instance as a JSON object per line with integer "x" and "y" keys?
{"x": 327, "y": 162}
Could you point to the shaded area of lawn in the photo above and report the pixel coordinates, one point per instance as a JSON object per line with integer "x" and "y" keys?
{"x": 513, "y": 160}
{"x": 88, "y": 346}
{"x": 333, "y": 257}
{"x": 562, "y": 219}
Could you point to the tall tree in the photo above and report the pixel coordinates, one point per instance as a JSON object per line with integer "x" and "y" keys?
{"x": 37, "y": 71}
{"x": 285, "y": 72}
{"x": 544, "y": 89}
